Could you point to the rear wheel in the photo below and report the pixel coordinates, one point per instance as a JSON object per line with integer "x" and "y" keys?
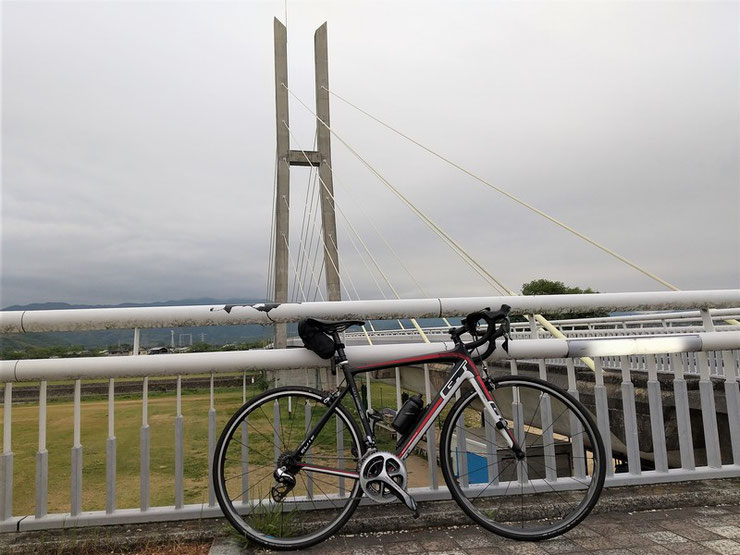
{"x": 309, "y": 498}
{"x": 552, "y": 488}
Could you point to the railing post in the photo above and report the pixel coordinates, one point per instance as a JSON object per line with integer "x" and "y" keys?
{"x": 340, "y": 442}
{"x": 683, "y": 416}
{"x": 76, "y": 471}
{"x": 732, "y": 400}
{"x": 144, "y": 447}
{"x": 657, "y": 425}
{"x": 42, "y": 458}
{"x": 309, "y": 456}
{"x": 179, "y": 448}
{"x": 708, "y": 406}
{"x": 110, "y": 453}
{"x": 551, "y": 473}
{"x": 211, "y": 446}
{"x": 6, "y": 480}
{"x": 630, "y": 418}
{"x": 602, "y": 413}
{"x": 576, "y": 428}
{"x": 245, "y": 446}
{"x": 431, "y": 434}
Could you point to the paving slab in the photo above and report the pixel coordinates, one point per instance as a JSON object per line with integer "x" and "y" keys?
{"x": 661, "y": 531}
{"x": 701, "y": 517}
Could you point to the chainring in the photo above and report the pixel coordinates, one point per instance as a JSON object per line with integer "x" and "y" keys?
{"x": 377, "y": 470}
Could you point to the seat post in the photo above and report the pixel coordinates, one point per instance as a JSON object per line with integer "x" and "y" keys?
{"x": 341, "y": 357}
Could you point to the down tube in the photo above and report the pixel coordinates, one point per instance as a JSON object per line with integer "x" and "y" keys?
{"x": 463, "y": 369}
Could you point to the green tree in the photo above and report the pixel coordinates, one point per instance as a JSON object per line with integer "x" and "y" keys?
{"x": 550, "y": 287}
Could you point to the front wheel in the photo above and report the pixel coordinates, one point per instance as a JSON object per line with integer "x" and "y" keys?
{"x": 273, "y": 497}
{"x": 545, "y": 493}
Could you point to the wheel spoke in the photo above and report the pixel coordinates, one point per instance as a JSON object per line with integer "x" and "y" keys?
{"x": 299, "y": 519}
{"x": 532, "y": 506}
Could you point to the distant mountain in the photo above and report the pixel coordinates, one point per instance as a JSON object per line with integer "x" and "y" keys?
{"x": 215, "y": 335}
{"x": 181, "y": 302}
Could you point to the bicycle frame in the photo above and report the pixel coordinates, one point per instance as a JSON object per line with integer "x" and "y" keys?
{"x": 463, "y": 369}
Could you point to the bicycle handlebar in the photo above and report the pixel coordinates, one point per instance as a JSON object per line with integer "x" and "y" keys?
{"x": 471, "y": 322}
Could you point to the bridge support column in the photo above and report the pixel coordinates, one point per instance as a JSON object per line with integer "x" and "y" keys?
{"x": 286, "y": 158}
{"x": 282, "y": 192}
{"x": 323, "y": 142}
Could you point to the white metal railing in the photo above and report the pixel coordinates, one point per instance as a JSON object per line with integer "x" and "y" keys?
{"x": 626, "y": 325}
{"x": 678, "y": 455}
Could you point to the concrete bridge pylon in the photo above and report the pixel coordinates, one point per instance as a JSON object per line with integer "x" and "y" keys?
{"x": 320, "y": 159}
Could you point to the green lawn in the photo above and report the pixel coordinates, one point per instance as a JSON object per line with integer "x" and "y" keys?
{"x": 94, "y": 431}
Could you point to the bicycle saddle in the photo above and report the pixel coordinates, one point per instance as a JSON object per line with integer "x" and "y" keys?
{"x": 331, "y": 327}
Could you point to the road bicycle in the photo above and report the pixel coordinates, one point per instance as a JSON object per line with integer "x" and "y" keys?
{"x": 520, "y": 456}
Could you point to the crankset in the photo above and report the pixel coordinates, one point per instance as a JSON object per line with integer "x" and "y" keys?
{"x": 383, "y": 477}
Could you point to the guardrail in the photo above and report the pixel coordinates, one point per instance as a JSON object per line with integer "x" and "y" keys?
{"x": 664, "y": 430}
{"x": 690, "y": 321}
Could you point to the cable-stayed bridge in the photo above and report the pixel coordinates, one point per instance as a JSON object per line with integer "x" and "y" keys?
{"x": 661, "y": 380}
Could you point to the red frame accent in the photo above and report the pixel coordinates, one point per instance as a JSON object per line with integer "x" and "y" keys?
{"x": 445, "y": 355}
{"x": 449, "y": 356}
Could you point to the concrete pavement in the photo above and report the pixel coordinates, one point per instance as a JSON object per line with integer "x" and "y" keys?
{"x": 695, "y": 530}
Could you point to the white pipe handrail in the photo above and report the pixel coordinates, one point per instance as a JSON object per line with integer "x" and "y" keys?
{"x": 184, "y": 316}
{"x": 284, "y": 359}
{"x": 672, "y": 316}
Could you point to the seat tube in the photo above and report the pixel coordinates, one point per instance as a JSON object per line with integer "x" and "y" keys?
{"x": 349, "y": 375}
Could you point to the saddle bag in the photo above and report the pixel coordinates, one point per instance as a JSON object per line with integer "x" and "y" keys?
{"x": 316, "y": 340}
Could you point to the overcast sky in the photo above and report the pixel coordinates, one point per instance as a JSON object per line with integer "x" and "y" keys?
{"x": 138, "y": 143}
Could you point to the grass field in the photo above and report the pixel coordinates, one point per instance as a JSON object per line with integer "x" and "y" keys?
{"x": 94, "y": 432}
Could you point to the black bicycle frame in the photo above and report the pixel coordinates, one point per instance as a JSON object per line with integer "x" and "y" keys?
{"x": 463, "y": 369}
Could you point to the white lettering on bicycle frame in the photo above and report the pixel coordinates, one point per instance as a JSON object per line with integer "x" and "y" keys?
{"x": 459, "y": 375}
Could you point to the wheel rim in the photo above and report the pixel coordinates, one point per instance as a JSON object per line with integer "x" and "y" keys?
{"x": 551, "y": 489}
{"x": 274, "y": 426}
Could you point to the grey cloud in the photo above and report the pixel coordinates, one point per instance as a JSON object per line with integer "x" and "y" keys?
{"x": 138, "y": 143}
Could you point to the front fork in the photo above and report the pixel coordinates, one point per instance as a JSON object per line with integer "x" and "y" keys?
{"x": 499, "y": 422}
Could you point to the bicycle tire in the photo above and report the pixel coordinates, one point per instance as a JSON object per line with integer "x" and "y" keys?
{"x": 536, "y": 500}
{"x": 255, "y": 438}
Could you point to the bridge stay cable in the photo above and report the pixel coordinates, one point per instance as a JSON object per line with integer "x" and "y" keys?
{"x": 314, "y": 244}
{"x": 456, "y": 247}
{"x": 292, "y": 262}
{"x": 518, "y": 200}
{"x": 380, "y": 234}
{"x": 306, "y": 263}
{"x": 345, "y": 273}
{"x": 306, "y": 209}
{"x": 295, "y": 271}
{"x": 362, "y": 242}
{"x": 511, "y": 196}
{"x": 379, "y": 269}
{"x": 307, "y": 237}
{"x": 314, "y": 241}
{"x": 345, "y": 217}
{"x": 271, "y": 256}
{"x": 439, "y": 231}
